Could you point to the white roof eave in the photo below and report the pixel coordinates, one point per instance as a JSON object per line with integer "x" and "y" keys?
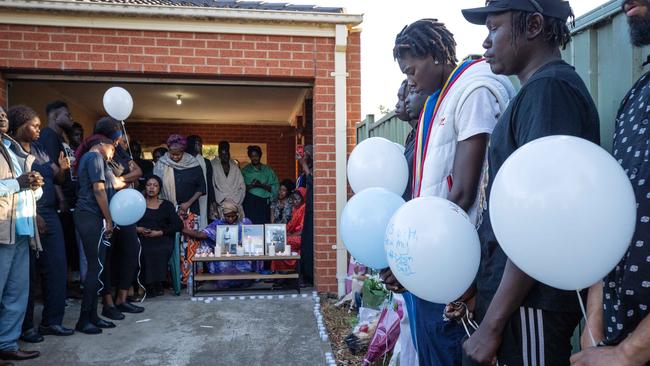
{"x": 232, "y": 14}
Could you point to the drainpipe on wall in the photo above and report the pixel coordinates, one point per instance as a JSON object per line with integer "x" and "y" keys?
{"x": 341, "y": 120}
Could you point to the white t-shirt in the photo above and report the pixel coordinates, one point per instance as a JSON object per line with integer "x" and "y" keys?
{"x": 478, "y": 114}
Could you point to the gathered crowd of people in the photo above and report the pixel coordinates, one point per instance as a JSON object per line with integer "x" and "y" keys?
{"x": 467, "y": 119}
{"x": 55, "y": 190}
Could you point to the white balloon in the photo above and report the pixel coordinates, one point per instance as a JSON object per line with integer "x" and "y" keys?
{"x": 400, "y": 147}
{"x": 563, "y": 210}
{"x": 118, "y": 103}
{"x": 375, "y": 162}
{"x": 433, "y": 249}
{"x": 127, "y": 207}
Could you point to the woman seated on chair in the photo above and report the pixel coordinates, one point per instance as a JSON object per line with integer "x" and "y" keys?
{"x": 294, "y": 230}
{"x": 231, "y": 215}
{"x": 157, "y": 231}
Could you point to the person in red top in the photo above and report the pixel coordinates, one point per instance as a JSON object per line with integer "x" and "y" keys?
{"x": 294, "y": 230}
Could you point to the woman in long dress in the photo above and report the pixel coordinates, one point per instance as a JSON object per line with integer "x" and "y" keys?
{"x": 157, "y": 230}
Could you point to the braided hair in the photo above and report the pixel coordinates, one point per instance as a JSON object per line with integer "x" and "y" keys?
{"x": 426, "y": 37}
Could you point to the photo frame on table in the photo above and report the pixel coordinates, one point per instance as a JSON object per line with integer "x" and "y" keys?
{"x": 275, "y": 234}
{"x": 252, "y": 239}
{"x": 228, "y": 238}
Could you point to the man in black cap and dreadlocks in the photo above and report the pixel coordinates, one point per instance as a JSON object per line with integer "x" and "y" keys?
{"x": 463, "y": 103}
{"x": 618, "y": 306}
{"x": 523, "y": 322}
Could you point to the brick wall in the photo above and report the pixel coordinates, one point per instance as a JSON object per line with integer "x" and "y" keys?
{"x": 280, "y": 140}
{"x": 73, "y": 50}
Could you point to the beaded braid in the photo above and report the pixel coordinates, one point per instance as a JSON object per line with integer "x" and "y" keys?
{"x": 426, "y": 37}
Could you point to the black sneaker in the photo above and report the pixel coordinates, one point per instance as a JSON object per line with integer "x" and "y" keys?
{"x": 127, "y": 307}
{"x": 112, "y": 312}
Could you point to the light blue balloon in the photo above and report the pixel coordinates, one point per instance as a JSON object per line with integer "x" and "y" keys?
{"x": 127, "y": 207}
{"x": 363, "y": 225}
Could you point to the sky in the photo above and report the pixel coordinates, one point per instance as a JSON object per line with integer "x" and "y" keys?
{"x": 380, "y": 74}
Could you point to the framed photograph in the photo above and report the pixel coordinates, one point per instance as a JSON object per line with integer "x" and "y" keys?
{"x": 276, "y": 235}
{"x": 228, "y": 238}
{"x": 252, "y": 238}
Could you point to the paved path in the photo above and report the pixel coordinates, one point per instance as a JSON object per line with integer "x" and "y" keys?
{"x": 176, "y": 331}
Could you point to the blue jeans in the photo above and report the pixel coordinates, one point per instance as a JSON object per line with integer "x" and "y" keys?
{"x": 14, "y": 291}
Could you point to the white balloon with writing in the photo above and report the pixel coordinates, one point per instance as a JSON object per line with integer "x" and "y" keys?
{"x": 433, "y": 249}
{"x": 563, "y": 210}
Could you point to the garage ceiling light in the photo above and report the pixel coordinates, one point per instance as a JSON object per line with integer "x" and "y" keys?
{"x": 179, "y": 101}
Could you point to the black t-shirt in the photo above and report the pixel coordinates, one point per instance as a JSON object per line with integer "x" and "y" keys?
{"x": 627, "y": 288}
{"x": 554, "y": 101}
{"x": 43, "y": 165}
{"x": 93, "y": 169}
{"x": 52, "y": 143}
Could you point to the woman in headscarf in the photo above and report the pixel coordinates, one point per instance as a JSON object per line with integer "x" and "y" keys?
{"x": 232, "y": 215}
{"x": 183, "y": 184}
{"x": 294, "y": 230}
{"x": 157, "y": 230}
{"x": 261, "y": 187}
{"x": 282, "y": 207}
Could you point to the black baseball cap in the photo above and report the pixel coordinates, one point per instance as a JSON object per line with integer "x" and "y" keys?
{"x": 551, "y": 8}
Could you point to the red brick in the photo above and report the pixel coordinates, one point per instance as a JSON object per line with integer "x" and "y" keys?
{"x": 231, "y": 53}
{"x": 217, "y": 61}
{"x": 231, "y": 37}
{"x": 181, "y": 51}
{"x": 291, "y": 47}
{"x": 142, "y": 41}
{"x": 116, "y": 40}
{"x": 243, "y": 45}
{"x": 168, "y": 42}
{"x": 45, "y": 29}
{"x": 104, "y": 66}
{"x": 36, "y": 37}
{"x": 206, "y": 52}
{"x": 131, "y": 50}
{"x": 156, "y": 51}
{"x": 255, "y": 71}
{"x": 63, "y": 38}
{"x": 129, "y": 67}
{"x": 142, "y": 59}
{"x": 193, "y": 43}
{"x": 156, "y": 68}
{"x": 218, "y": 44}
{"x": 18, "y": 45}
{"x": 42, "y": 55}
{"x": 42, "y": 64}
{"x": 267, "y": 46}
{"x": 206, "y": 69}
{"x": 89, "y": 57}
{"x": 64, "y": 56}
{"x": 77, "y": 47}
{"x": 90, "y": 39}
{"x": 76, "y": 65}
{"x": 47, "y": 46}
{"x": 242, "y": 62}
{"x": 103, "y": 32}
{"x": 168, "y": 60}
{"x": 255, "y": 54}
{"x": 280, "y": 55}
{"x": 21, "y": 63}
{"x": 267, "y": 63}
{"x": 183, "y": 35}
{"x": 103, "y": 48}
{"x": 180, "y": 69}
{"x": 193, "y": 61}
{"x": 116, "y": 58}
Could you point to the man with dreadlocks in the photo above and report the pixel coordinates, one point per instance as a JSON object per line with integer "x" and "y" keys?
{"x": 463, "y": 104}
{"x": 523, "y": 322}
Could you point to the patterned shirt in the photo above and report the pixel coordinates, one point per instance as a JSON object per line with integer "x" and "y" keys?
{"x": 627, "y": 288}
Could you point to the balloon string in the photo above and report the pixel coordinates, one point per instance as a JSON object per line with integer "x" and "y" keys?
{"x": 584, "y": 313}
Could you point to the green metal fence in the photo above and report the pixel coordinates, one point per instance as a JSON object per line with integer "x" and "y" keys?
{"x": 389, "y": 127}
